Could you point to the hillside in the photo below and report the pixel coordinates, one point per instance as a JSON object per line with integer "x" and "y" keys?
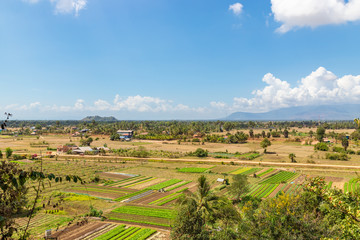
{"x": 99, "y": 119}
{"x": 321, "y": 112}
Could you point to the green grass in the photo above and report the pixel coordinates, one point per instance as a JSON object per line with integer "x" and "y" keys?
{"x": 193, "y": 170}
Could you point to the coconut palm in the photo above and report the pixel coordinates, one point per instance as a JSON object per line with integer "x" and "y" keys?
{"x": 292, "y": 156}
{"x": 357, "y": 121}
{"x": 195, "y": 210}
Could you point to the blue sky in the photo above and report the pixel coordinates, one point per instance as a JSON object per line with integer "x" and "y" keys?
{"x": 178, "y": 59}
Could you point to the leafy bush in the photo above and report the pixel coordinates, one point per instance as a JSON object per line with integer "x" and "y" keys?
{"x": 8, "y": 152}
{"x": 337, "y": 149}
{"x": 19, "y": 157}
{"x": 350, "y": 151}
{"x": 337, "y": 156}
{"x": 321, "y": 146}
{"x": 94, "y": 213}
{"x": 201, "y": 152}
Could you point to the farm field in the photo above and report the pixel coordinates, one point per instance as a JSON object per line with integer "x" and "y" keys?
{"x": 136, "y": 194}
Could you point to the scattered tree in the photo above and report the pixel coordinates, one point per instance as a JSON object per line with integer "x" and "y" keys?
{"x": 265, "y": 143}
{"x": 8, "y": 152}
{"x": 292, "y": 156}
{"x": 345, "y": 143}
{"x": 320, "y": 134}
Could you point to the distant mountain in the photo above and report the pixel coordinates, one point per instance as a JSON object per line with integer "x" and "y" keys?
{"x": 99, "y": 119}
{"x": 321, "y": 112}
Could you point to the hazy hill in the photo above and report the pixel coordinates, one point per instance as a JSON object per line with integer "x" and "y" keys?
{"x": 322, "y": 112}
{"x": 99, "y": 119}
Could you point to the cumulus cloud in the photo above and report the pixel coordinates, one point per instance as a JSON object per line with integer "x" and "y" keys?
{"x": 69, "y": 6}
{"x": 141, "y": 104}
{"x": 320, "y": 87}
{"x": 236, "y": 8}
{"x": 65, "y": 6}
{"x": 313, "y": 13}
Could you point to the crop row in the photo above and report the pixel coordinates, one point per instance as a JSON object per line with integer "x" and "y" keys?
{"x": 131, "y": 195}
{"x": 142, "y": 234}
{"x": 177, "y": 186}
{"x": 265, "y": 172}
{"x": 164, "y": 184}
{"x": 192, "y": 170}
{"x": 122, "y": 233}
{"x": 240, "y": 170}
{"x": 170, "y": 199}
{"x": 281, "y": 177}
{"x": 104, "y": 190}
{"x": 351, "y": 186}
{"x": 123, "y": 181}
{"x": 161, "y": 201}
{"x": 146, "y": 211}
{"x": 112, "y": 233}
{"x": 249, "y": 156}
{"x": 138, "y": 221}
{"x": 251, "y": 171}
{"x": 141, "y": 182}
{"x": 137, "y": 181}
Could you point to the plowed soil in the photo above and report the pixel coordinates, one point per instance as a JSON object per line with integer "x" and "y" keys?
{"x": 77, "y": 231}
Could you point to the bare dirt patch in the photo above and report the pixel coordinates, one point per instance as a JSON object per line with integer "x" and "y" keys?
{"x": 114, "y": 175}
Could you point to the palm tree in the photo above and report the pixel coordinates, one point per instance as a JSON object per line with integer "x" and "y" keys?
{"x": 357, "y": 121}
{"x": 195, "y": 210}
{"x": 292, "y": 156}
{"x": 203, "y": 198}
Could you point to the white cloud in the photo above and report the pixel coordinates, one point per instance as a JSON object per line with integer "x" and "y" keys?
{"x": 236, "y": 8}
{"x": 65, "y": 6}
{"x": 313, "y": 13}
{"x": 69, "y": 6}
{"x": 320, "y": 87}
{"x": 140, "y": 104}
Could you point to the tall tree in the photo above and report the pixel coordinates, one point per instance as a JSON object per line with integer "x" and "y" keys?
{"x": 320, "y": 134}
{"x": 292, "y": 157}
{"x": 265, "y": 143}
{"x": 345, "y": 142}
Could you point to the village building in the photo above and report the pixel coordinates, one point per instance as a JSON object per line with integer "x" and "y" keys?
{"x": 125, "y": 134}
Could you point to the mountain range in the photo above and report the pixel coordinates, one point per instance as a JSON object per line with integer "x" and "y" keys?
{"x": 99, "y": 119}
{"x": 320, "y": 112}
